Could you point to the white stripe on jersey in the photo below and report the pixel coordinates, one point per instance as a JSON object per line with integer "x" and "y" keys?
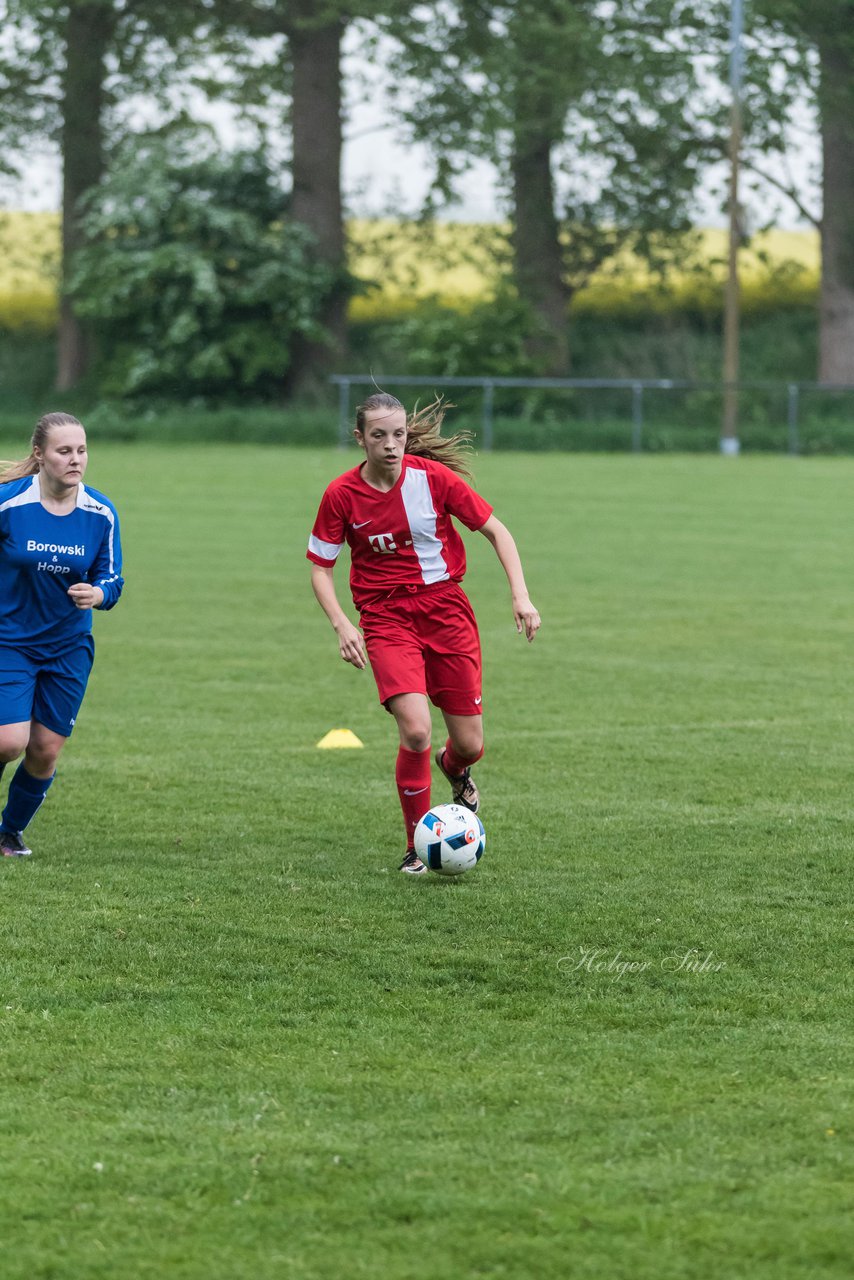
{"x": 86, "y": 501}
{"x": 325, "y": 550}
{"x": 25, "y": 498}
{"x": 421, "y": 514}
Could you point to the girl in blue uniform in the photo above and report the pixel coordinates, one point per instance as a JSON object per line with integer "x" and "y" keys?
{"x": 60, "y": 558}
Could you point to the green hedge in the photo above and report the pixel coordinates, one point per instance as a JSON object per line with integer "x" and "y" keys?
{"x": 687, "y": 424}
{"x": 779, "y": 347}
{"x": 435, "y": 340}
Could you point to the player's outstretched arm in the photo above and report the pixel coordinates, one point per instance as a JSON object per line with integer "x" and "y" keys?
{"x": 351, "y": 646}
{"x": 526, "y": 616}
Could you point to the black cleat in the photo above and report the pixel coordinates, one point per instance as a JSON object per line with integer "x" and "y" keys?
{"x": 463, "y": 790}
{"x": 12, "y": 846}
{"x": 412, "y": 864}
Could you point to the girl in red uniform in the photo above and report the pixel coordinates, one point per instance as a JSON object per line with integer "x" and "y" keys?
{"x": 407, "y": 561}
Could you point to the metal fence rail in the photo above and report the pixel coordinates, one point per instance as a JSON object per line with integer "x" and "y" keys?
{"x": 789, "y": 392}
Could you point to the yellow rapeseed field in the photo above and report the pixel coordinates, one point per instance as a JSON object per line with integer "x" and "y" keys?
{"x": 456, "y": 265}
{"x": 29, "y": 261}
{"x": 394, "y": 256}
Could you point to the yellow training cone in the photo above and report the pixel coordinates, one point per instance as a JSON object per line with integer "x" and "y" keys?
{"x": 340, "y": 738}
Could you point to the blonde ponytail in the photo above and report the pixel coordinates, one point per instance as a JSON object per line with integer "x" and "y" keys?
{"x": 424, "y": 438}
{"x": 17, "y": 470}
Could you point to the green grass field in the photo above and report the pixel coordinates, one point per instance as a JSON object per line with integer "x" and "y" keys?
{"x": 236, "y": 1043}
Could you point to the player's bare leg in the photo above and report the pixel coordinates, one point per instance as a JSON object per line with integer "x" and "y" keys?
{"x": 463, "y": 749}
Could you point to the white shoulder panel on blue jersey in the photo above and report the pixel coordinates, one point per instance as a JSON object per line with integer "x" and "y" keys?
{"x": 28, "y": 492}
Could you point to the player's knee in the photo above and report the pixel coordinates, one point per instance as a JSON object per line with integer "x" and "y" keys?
{"x": 42, "y": 754}
{"x": 41, "y": 762}
{"x": 468, "y": 744}
{"x": 415, "y": 737}
{"x": 12, "y": 744}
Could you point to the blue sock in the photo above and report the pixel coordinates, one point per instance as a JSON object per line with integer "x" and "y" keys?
{"x": 26, "y": 794}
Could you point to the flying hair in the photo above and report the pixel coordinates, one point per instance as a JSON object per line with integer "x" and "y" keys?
{"x": 424, "y": 437}
{"x": 29, "y": 466}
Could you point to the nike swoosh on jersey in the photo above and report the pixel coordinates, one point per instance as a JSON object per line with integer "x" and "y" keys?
{"x": 361, "y": 524}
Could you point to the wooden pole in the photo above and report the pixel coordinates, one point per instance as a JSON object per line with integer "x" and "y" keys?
{"x": 729, "y": 428}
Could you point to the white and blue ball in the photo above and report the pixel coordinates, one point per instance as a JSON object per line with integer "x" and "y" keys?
{"x": 450, "y": 839}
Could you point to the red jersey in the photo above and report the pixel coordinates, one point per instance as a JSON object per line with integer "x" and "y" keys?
{"x": 401, "y": 538}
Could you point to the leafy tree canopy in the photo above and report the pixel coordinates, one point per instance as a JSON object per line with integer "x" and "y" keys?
{"x": 196, "y": 283}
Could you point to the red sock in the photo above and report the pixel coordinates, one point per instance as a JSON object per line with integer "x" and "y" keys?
{"x": 458, "y": 764}
{"x": 412, "y": 775}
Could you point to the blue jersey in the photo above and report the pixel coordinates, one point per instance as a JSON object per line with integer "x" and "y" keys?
{"x": 42, "y": 554}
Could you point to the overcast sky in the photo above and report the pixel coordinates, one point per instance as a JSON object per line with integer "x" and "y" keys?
{"x": 378, "y": 171}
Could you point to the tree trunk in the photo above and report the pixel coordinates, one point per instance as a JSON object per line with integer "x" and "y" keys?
{"x": 88, "y": 31}
{"x": 316, "y": 199}
{"x": 536, "y": 247}
{"x": 836, "y": 308}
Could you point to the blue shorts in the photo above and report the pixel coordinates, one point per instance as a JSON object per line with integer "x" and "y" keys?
{"x": 47, "y": 689}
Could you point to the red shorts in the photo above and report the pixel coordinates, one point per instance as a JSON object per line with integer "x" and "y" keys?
{"x": 426, "y": 641}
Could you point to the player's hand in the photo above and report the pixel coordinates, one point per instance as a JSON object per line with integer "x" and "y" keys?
{"x": 527, "y": 618}
{"x": 351, "y": 646}
{"x": 85, "y": 596}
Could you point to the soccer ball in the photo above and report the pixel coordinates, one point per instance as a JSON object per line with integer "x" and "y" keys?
{"x": 450, "y": 839}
